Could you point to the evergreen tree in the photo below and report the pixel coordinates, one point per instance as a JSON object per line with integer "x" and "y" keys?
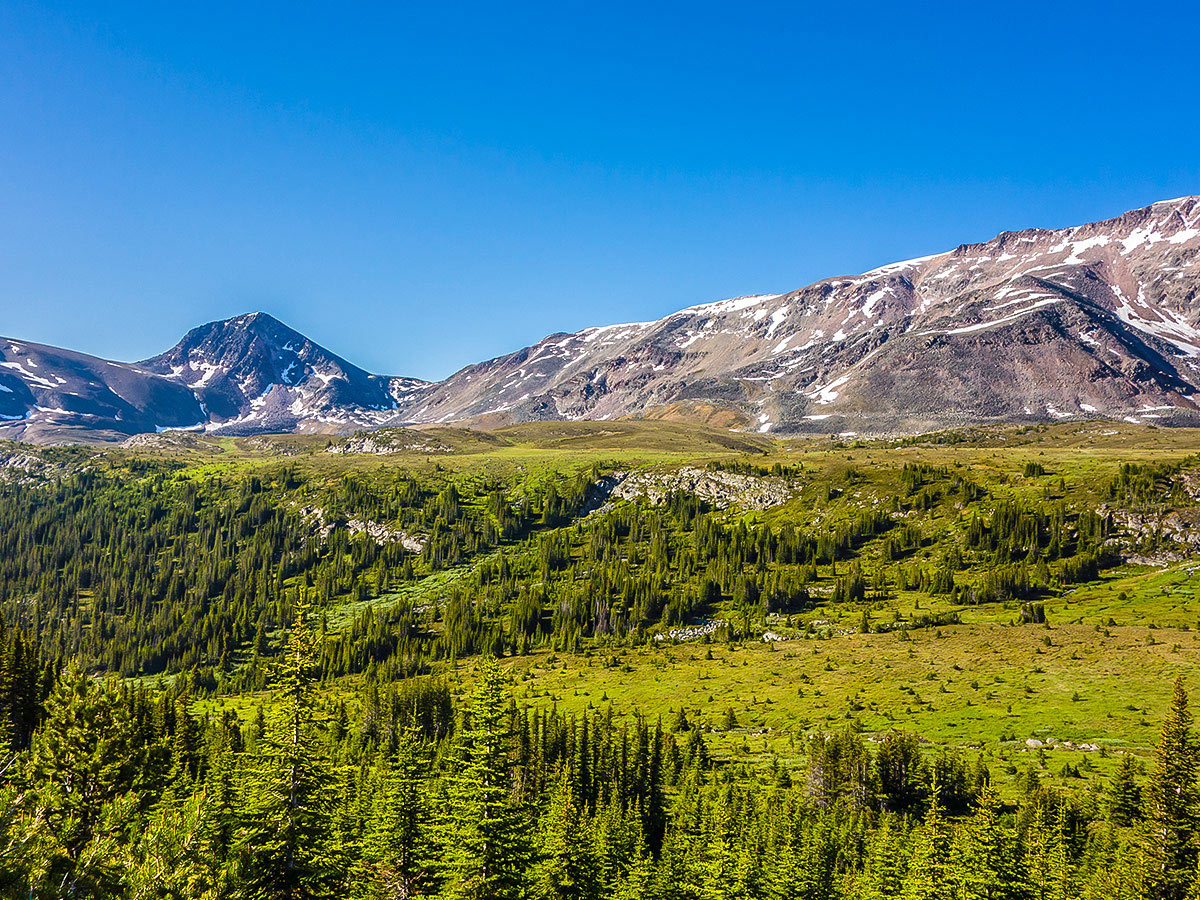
{"x": 283, "y": 848}
{"x": 397, "y": 849}
{"x": 1116, "y": 870}
{"x": 484, "y": 831}
{"x": 567, "y": 866}
{"x": 172, "y": 860}
{"x": 15, "y": 838}
{"x": 1170, "y": 806}
{"x": 986, "y": 859}
{"x": 636, "y": 884}
{"x": 719, "y": 877}
{"x": 1125, "y": 794}
{"x": 185, "y": 751}
{"x": 1047, "y": 864}
{"x": 929, "y": 874}
{"x": 882, "y": 877}
{"x": 83, "y": 775}
{"x": 900, "y": 772}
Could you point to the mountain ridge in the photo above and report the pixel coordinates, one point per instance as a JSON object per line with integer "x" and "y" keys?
{"x": 809, "y": 360}
{"x": 1096, "y": 320}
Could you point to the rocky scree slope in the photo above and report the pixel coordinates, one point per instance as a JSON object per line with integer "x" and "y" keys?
{"x": 1101, "y": 319}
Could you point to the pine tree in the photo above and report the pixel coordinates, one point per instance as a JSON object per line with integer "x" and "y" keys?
{"x": 567, "y": 867}
{"x": 1125, "y": 795}
{"x": 637, "y": 882}
{"x": 172, "y": 858}
{"x": 654, "y": 816}
{"x": 15, "y": 838}
{"x": 721, "y": 859}
{"x": 185, "y": 751}
{"x": 1047, "y": 864}
{"x": 929, "y": 870}
{"x": 617, "y": 835}
{"x": 484, "y": 831}
{"x": 1170, "y": 806}
{"x": 882, "y": 877}
{"x": 397, "y": 850}
{"x": 986, "y": 863}
{"x": 283, "y": 848}
{"x": 1128, "y": 881}
{"x": 7, "y": 725}
{"x": 220, "y": 789}
{"x": 84, "y": 780}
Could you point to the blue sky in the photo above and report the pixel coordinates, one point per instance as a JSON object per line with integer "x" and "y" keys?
{"x": 418, "y": 187}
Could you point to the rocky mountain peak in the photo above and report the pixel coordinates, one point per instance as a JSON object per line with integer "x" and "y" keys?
{"x": 253, "y": 373}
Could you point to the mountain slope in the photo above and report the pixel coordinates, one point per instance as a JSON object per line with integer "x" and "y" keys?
{"x": 1039, "y": 324}
{"x": 254, "y": 374}
{"x": 52, "y": 394}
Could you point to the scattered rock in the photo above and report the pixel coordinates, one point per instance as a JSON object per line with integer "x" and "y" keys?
{"x": 171, "y": 440}
{"x": 721, "y": 489}
{"x": 691, "y": 631}
{"x": 387, "y": 443}
{"x": 381, "y": 534}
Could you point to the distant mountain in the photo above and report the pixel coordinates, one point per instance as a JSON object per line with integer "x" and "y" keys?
{"x": 1101, "y": 320}
{"x": 247, "y": 375}
{"x": 253, "y": 374}
{"x": 1031, "y": 325}
{"x": 47, "y": 395}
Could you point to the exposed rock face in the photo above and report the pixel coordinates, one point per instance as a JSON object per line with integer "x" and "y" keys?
{"x": 247, "y": 375}
{"x": 378, "y": 532}
{"x": 48, "y": 395}
{"x": 18, "y": 466}
{"x": 254, "y": 374}
{"x": 386, "y": 443}
{"x": 721, "y": 489}
{"x": 172, "y": 440}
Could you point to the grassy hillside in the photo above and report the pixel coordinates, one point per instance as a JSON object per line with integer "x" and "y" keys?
{"x": 953, "y": 668}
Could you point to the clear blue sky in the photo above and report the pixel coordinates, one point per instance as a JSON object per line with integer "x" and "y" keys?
{"x": 418, "y": 187}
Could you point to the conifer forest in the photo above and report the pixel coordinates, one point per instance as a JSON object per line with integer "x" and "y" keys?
{"x": 629, "y": 661}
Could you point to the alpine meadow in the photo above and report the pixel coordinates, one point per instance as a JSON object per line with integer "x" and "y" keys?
{"x": 609, "y": 660}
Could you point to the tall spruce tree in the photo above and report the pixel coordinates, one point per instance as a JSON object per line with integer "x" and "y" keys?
{"x": 172, "y": 858}
{"x": 568, "y": 865}
{"x": 1170, "y": 806}
{"x": 484, "y": 832}
{"x": 83, "y": 775}
{"x": 719, "y": 876}
{"x": 1125, "y": 794}
{"x": 397, "y": 847}
{"x": 882, "y": 877}
{"x": 1047, "y": 865}
{"x": 636, "y": 883}
{"x": 929, "y": 874}
{"x": 986, "y": 858}
{"x": 283, "y": 844}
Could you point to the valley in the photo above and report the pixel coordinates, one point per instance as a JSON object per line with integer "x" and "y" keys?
{"x": 664, "y": 615}
{"x": 960, "y": 671}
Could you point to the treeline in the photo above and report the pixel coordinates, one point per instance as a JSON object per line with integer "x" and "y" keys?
{"x": 623, "y": 571}
{"x": 165, "y": 573}
{"x": 126, "y": 793}
{"x": 161, "y": 572}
